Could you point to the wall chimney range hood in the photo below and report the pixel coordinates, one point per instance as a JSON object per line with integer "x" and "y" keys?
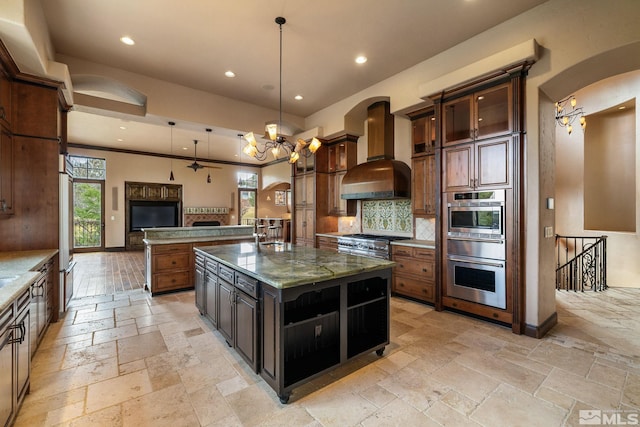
{"x": 381, "y": 177}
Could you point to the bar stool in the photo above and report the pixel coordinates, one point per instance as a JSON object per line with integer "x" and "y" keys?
{"x": 275, "y": 229}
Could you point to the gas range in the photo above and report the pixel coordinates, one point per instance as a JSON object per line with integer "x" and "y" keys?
{"x": 373, "y": 245}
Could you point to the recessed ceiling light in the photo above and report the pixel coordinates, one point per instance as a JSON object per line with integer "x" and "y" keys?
{"x": 229, "y": 73}
{"x": 120, "y": 139}
{"x": 622, "y": 107}
{"x": 185, "y": 148}
{"x": 361, "y": 59}
{"x": 127, "y": 40}
{"x": 122, "y": 127}
{"x": 298, "y": 97}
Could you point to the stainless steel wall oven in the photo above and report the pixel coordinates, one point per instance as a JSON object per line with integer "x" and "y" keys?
{"x": 476, "y": 247}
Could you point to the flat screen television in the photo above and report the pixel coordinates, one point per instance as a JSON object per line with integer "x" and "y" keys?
{"x": 145, "y": 214}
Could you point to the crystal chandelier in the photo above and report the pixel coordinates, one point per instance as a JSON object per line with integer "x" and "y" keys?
{"x": 277, "y": 143}
{"x": 565, "y": 118}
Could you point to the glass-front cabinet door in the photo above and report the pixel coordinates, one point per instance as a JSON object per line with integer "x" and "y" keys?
{"x": 493, "y": 111}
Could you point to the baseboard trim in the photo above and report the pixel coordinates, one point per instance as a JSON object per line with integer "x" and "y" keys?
{"x": 115, "y": 249}
{"x": 541, "y": 330}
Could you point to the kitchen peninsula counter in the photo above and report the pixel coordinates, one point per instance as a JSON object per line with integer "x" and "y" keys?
{"x": 169, "y": 253}
{"x": 293, "y": 312}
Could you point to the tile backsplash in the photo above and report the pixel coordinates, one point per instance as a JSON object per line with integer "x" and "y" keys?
{"x": 426, "y": 229}
{"x": 387, "y": 216}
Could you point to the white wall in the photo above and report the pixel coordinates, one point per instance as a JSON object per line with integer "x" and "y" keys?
{"x": 222, "y": 192}
{"x": 623, "y": 248}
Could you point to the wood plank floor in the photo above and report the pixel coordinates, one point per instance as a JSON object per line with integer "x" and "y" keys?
{"x": 106, "y": 273}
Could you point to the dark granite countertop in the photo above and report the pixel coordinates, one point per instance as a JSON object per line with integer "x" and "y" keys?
{"x": 286, "y": 265}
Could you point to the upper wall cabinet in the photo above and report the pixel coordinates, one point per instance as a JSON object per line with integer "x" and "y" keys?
{"x": 5, "y": 99}
{"x": 37, "y": 115}
{"x": 480, "y": 115}
{"x": 423, "y": 132}
{"x": 6, "y": 172}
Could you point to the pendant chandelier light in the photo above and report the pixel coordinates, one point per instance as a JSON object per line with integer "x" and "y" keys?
{"x": 277, "y": 143}
{"x": 566, "y": 118}
{"x": 171, "y": 125}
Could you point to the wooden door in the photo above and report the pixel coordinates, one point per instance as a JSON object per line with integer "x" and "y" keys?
{"x": 457, "y": 121}
{"x": 418, "y": 186}
{"x": 246, "y": 328}
{"x": 211, "y": 298}
{"x": 430, "y": 185}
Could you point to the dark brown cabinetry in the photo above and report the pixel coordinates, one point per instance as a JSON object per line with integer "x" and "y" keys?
{"x": 5, "y": 98}
{"x": 479, "y": 115}
{"x": 342, "y": 157}
{"x": 423, "y": 170}
{"x": 35, "y": 111}
{"x": 237, "y": 317}
{"x": 474, "y": 166}
{"x": 305, "y": 186}
{"x": 330, "y": 243}
{"x": 423, "y": 162}
{"x": 6, "y": 172}
{"x": 147, "y": 192}
{"x": 7, "y": 385}
{"x": 414, "y": 272}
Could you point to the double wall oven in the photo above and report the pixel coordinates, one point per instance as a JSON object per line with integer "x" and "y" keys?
{"x": 476, "y": 247}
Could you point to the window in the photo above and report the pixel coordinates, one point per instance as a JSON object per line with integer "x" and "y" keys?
{"x": 88, "y": 168}
{"x": 247, "y": 191}
{"x": 247, "y": 180}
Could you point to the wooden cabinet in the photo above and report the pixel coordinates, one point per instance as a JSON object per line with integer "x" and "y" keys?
{"x": 211, "y": 292}
{"x": 7, "y": 385}
{"x": 34, "y": 110}
{"x": 305, "y": 209}
{"x": 423, "y": 186}
{"x": 474, "y": 166}
{"x": 147, "y": 192}
{"x": 423, "y": 132}
{"x": 5, "y": 98}
{"x": 169, "y": 267}
{"x": 414, "y": 272}
{"x": 238, "y": 313}
{"x": 6, "y": 172}
{"x": 341, "y": 158}
{"x": 330, "y": 243}
{"x": 480, "y": 115}
{"x": 41, "y": 304}
{"x": 199, "y": 284}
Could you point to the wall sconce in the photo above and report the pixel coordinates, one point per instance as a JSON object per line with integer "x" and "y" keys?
{"x": 566, "y": 118}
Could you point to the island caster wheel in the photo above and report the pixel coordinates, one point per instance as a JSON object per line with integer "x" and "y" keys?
{"x": 380, "y": 351}
{"x": 284, "y": 398}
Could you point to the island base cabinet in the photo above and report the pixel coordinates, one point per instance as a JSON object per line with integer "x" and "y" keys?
{"x": 246, "y": 332}
{"x": 225, "y": 311}
{"x": 305, "y": 334}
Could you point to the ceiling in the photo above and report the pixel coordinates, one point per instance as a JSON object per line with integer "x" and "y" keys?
{"x": 193, "y": 42}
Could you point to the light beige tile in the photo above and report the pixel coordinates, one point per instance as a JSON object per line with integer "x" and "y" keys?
{"x": 211, "y": 407}
{"x": 459, "y": 402}
{"x": 89, "y": 354}
{"x": 90, "y": 316}
{"x": 115, "y": 333}
{"x": 344, "y": 409}
{"x": 518, "y": 408}
{"x": 132, "y": 312}
{"x": 559, "y": 399}
{"x": 395, "y": 361}
{"x": 419, "y": 391}
{"x": 64, "y": 414}
{"x": 470, "y": 383}
{"x": 108, "y": 417}
{"x": 201, "y": 375}
{"x": 34, "y": 410}
{"x": 117, "y": 390}
{"x": 398, "y": 413}
{"x": 446, "y": 416}
{"x": 140, "y": 346}
{"x": 607, "y": 375}
{"x": 631, "y": 393}
{"x": 501, "y": 370}
{"x": 583, "y": 389}
{"x": 232, "y": 385}
{"x": 570, "y": 359}
{"x": 378, "y": 395}
{"x": 263, "y": 403}
{"x": 168, "y": 407}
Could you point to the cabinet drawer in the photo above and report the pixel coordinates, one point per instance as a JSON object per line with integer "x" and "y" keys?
{"x": 247, "y": 284}
{"x": 424, "y": 269}
{"x": 171, "y": 262}
{"x": 167, "y": 249}
{"x": 427, "y": 254}
{"x": 167, "y": 282}
{"x": 414, "y": 288}
{"x": 212, "y": 267}
{"x": 225, "y": 273}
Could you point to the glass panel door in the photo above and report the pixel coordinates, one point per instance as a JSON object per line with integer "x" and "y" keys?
{"x": 247, "y": 203}
{"x": 88, "y": 215}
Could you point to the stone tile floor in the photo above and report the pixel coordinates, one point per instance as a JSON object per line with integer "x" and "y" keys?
{"x": 130, "y": 360}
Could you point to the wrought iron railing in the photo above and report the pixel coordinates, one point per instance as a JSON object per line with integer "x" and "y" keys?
{"x": 582, "y": 263}
{"x": 86, "y": 233}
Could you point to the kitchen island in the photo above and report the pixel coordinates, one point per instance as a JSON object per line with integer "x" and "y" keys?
{"x": 293, "y": 312}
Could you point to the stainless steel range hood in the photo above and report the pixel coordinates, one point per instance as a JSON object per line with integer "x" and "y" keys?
{"x": 381, "y": 177}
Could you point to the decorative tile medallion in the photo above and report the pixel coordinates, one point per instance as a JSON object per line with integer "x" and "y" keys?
{"x": 392, "y": 216}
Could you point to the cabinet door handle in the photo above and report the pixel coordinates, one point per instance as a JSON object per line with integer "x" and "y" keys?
{"x": 3, "y": 114}
{"x": 23, "y": 334}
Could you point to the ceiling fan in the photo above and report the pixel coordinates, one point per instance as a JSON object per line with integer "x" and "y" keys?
{"x": 195, "y": 165}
